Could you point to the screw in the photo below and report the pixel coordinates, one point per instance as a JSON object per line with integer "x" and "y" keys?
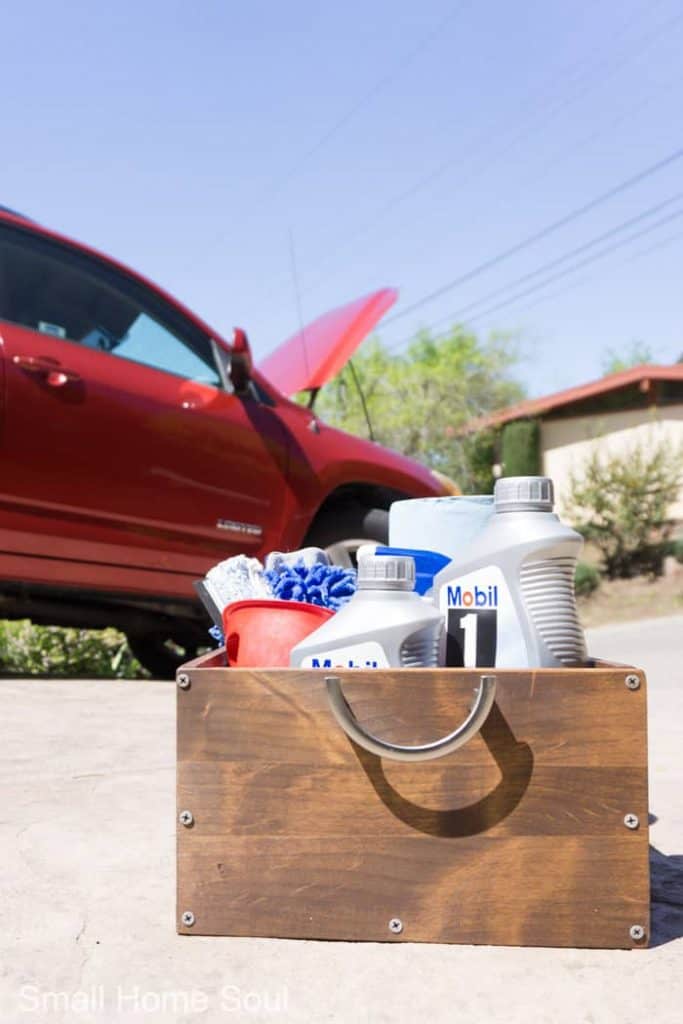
{"x": 396, "y": 925}
{"x": 185, "y": 818}
{"x": 183, "y": 681}
{"x": 637, "y": 932}
{"x": 188, "y": 918}
{"x": 631, "y": 820}
{"x": 633, "y": 682}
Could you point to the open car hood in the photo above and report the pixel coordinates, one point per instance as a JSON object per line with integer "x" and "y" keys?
{"x": 314, "y": 355}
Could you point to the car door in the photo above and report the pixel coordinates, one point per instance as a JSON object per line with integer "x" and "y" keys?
{"x": 119, "y": 442}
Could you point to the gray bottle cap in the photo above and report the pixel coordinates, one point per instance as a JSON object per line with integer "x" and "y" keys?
{"x": 524, "y": 494}
{"x": 386, "y": 572}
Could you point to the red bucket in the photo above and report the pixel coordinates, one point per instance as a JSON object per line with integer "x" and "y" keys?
{"x": 261, "y": 633}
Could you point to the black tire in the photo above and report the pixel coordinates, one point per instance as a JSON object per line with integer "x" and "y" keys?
{"x": 162, "y": 651}
{"x": 342, "y": 531}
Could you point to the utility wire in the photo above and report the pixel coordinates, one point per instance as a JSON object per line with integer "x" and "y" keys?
{"x": 539, "y": 235}
{"x": 577, "y": 266}
{"x": 599, "y": 133}
{"x": 373, "y": 91}
{"x": 355, "y": 109}
{"x": 473, "y": 172}
{"x": 641, "y": 254}
{"x": 623, "y": 226}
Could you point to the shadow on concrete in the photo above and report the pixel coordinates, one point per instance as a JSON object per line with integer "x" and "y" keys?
{"x": 666, "y": 899}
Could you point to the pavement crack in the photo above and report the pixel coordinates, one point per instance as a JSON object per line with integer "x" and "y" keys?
{"x": 83, "y": 927}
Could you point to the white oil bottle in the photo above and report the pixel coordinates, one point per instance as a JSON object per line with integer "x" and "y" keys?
{"x": 508, "y": 597}
{"x": 384, "y": 625}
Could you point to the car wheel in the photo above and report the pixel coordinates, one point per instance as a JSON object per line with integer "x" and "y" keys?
{"x": 163, "y": 651}
{"x": 343, "y": 531}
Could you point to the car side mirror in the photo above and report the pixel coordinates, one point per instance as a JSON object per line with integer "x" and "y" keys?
{"x": 240, "y": 360}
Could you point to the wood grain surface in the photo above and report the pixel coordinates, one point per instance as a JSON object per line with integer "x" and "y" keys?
{"x": 516, "y": 838}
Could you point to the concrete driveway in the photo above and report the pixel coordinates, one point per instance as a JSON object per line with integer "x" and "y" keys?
{"x": 87, "y": 847}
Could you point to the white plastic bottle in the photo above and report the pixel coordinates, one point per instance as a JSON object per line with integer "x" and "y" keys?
{"x": 439, "y": 524}
{"x": 508, "y": 597}
{"x": 385, "y": 624}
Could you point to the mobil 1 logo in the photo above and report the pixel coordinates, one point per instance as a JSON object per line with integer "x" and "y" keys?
{"x": 471, "y": 609}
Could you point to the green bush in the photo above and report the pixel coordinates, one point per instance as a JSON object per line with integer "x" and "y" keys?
{"x": 675, "y": 548}
{"x": 521, "y": 452}
{"x": 28, "y": 650}
{"x": 586, "y": 579}
{"x": 620, "y": 503}
{"x": 479, "y": 451}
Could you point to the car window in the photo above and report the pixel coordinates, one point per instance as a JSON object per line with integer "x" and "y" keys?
{"x": 61, "y": 292}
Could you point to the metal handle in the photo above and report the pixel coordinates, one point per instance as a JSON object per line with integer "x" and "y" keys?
{"x": 341, "y": 710}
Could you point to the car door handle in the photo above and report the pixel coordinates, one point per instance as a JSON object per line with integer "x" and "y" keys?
{"x": 55, "y": 374}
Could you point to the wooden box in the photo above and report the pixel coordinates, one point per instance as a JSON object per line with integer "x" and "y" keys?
{"x": 533, "y": 832}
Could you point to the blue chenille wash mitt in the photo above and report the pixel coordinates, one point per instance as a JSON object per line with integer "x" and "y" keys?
{"x": 304, "y": 575}
{"x": 217, "y": 634}
{"x": 329, "y": 586}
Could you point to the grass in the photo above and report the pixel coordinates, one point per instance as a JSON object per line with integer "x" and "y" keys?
{"x": 627, "y": 600}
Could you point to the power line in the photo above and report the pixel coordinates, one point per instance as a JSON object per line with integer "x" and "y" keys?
{"x": 539, "y": 235}
{"x": 577, "y": 266}
{"x": 356, "y": 107}
{"x": 582, "y": 263}
{"x": 552, "y": 110}
{"x": 373, "y": 91}
{"x": 458, "y": 313}
{"x": 599, "y": 133}
{"x": 678, "y": 236}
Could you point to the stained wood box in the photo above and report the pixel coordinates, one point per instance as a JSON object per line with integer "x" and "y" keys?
{"x": 533, "y": 832}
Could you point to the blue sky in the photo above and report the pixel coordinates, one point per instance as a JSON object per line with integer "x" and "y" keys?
{"x": 381, "y": 143}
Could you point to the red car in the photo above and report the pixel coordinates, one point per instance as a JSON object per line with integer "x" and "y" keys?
{"x": 139, "y": 447}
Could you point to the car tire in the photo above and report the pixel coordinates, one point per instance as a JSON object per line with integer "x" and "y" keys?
{"x": 342, "y": 531}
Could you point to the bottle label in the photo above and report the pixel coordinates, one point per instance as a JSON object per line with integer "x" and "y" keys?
{"x": 482, "y": 627}
{"x": 368, "y": 654}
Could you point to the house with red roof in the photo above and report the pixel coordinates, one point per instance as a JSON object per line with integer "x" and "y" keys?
{"x": 641, "y": 404}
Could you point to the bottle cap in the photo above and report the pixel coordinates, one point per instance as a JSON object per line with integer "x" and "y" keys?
{"x": 386, "y": 572}
{"x": 524, "y": 494}
{"x": 427, "y": 563}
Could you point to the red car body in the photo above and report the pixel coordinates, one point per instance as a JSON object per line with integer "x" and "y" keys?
{"x": 124, "y": 479}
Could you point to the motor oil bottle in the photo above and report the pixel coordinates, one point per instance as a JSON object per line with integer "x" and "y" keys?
{"x": 508, "y": 598}
{"x": 452, "y": 521}
{"x": 384, "y": 625}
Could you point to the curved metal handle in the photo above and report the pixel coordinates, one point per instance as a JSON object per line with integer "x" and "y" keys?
{"x": 342, "y": 711}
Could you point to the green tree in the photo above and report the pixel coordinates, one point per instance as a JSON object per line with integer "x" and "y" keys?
{"x": 635, "y": 355}
{"x": 419, "y": 399}
{"x": 621, "y": 503}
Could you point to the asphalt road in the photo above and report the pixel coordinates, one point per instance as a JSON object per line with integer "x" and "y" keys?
{"x": 87, "y": 881}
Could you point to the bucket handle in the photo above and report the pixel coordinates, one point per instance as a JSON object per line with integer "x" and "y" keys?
{"x": 485, "y": 696}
